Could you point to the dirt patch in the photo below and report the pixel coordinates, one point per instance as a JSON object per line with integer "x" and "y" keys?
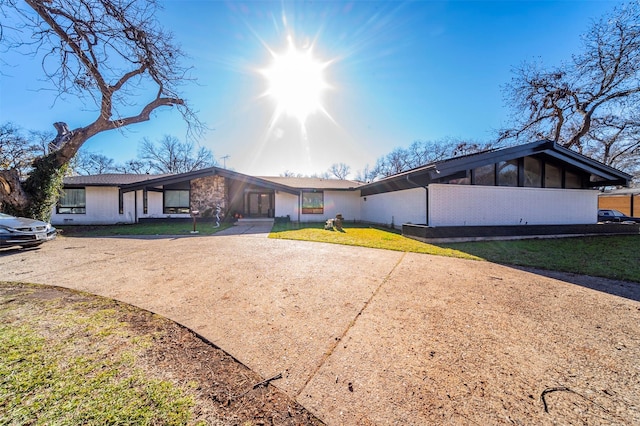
{"x": 225, "y": 391}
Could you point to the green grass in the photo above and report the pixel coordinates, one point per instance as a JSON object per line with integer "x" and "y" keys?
{"x": 363, "y": 236}
{"x": 616, "y": 257}
{"x": 72, "y": 366}
{"x": 160, "y": 228}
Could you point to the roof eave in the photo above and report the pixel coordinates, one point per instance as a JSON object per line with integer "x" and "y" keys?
{"x": 197, "y": 174}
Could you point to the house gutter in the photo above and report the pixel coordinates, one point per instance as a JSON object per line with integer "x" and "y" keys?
{"x": 426, "y": 198}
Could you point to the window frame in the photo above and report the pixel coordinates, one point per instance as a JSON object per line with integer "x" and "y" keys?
{"x": 72, "y": 208}
{"x": 548, "y": 182}
{"x": 308, "y": 206}
{"x": 177, "y": 209}
{"x": 504, "y": 173}
{"x": 490, "y": 170}
{"x": 532, "y": 172}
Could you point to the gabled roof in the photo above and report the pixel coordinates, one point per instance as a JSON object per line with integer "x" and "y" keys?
{"x": 441, "y": 171}
{"x": 132, "y": 182}
{"x": 210, "y": 171}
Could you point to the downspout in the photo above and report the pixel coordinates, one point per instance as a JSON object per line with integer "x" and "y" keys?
{"x": 299, "y": 204}
{"x": 426, "y": 198}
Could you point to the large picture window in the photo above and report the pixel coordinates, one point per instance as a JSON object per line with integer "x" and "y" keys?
{"x": 572, "y": 180}
{"x": 176, "y": 201}
{"x": 485, "y": 175}
{"x": 532, "y": 172}
{"x": 552, "y": 176}
{"x": 72, "y": 201}
{"x": 313, "y": 202}
{"x": 508, "y": 173}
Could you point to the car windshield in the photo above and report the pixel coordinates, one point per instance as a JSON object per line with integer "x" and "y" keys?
{"x": 617, "y": 213}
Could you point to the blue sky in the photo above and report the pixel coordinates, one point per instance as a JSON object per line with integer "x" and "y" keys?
{"x": 397, "y": 71}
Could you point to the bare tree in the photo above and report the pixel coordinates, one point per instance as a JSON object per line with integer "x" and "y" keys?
{"x": 41, "y": 139}
{"x": 137, "y": 167}
{"x": 170, "y": 155}
{"x": 420, "y": 153}
{"x": 340, "y": 170}
{"x": 17, "y": 151}
{"x": 590, "y": 103}
{"x": 91, "y": 163}
{"x": 109, "y": 53}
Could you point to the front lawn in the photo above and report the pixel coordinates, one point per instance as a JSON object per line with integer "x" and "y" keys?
{"x": 355, "y": 234}
{"x": 615, "y": 257}
{"x": 153, "y": 228}
{"x": 609, "y": 256}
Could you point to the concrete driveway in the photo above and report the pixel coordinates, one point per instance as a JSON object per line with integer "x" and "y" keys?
{"x": 366, "y": 336}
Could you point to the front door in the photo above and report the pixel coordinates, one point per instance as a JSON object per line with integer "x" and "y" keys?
{"x": 259, "y": 204}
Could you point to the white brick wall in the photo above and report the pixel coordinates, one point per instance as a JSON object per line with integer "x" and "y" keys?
{"x": 286, "y": 205}
{"x": 460, "y": 205}
{"x": 398, "y": 207}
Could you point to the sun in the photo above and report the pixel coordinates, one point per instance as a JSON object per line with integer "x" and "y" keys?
{"x": 296, "y": 82}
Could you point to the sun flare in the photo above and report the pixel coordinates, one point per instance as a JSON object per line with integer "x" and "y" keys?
{"x": 296, "y": 83}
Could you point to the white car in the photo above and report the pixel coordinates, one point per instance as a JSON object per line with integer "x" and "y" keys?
{"x": 21, "y": 231}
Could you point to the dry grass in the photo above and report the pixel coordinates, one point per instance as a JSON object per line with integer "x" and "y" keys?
{"x": 73, "y": 358}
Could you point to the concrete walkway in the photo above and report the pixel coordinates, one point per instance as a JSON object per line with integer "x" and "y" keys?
{"x": 249, "y": 229}
{"x": 365, "y": 336}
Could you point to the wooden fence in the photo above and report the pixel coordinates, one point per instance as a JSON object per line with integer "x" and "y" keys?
{"x": 628, "y": 204}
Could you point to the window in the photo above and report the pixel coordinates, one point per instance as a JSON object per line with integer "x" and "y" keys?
{"x": 176, "y": 201}
{"x": 508, "y": 173}
{"x": 460, "y": 181}
{"x": 572, "y": 180}
{"x": 485, "y": 175}
{"x": 552, "y": 176}
{"x": 532, "y": 172}
{"x": 72, "y": 201}
{"x": 313, "y": 202}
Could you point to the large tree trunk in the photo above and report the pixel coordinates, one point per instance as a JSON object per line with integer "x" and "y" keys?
{"x": 36, "y": 196}
{"x": 13, "y": 199}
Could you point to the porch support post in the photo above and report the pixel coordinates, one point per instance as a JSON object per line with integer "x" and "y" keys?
{"x": 426, "y": 197}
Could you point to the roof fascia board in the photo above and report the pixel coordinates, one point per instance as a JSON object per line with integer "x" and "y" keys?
{"x": 211, "y": 171}
{"x": 594, "y": 163}
{"x": 584, "y": 166}
{"x": 455, "y": 165}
